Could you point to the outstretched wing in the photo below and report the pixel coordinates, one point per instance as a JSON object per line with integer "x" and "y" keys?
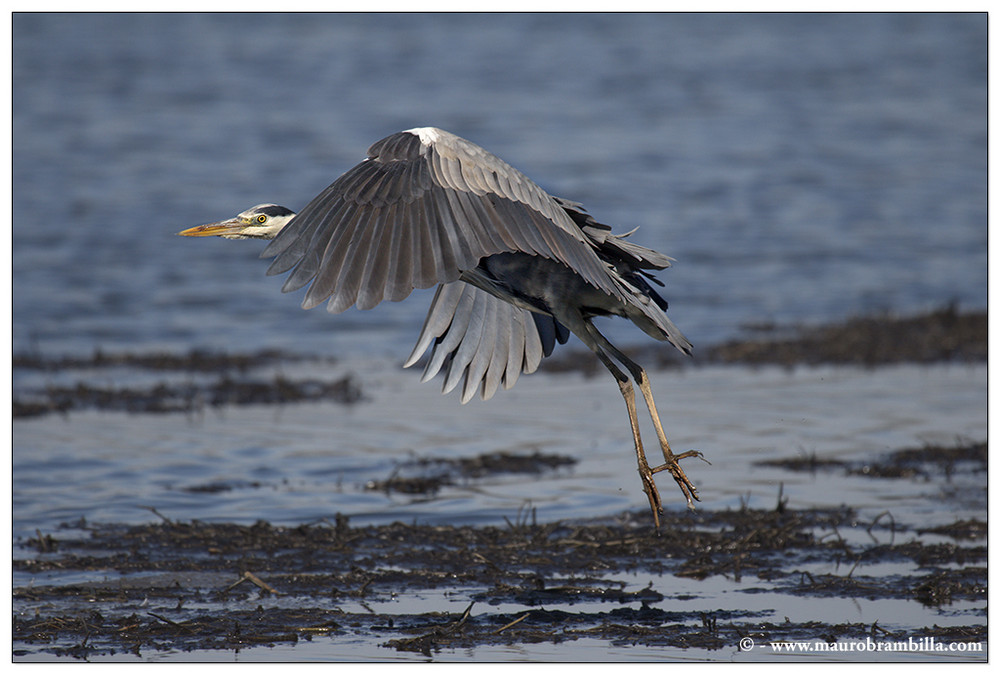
{"x": 480, "y": 340}
{"x": 425, "y": 206}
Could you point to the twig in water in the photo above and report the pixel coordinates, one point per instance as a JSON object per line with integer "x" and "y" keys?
{"x": 253, "y": 578}
{"x": 515, "y": 621}
{"x": 157, "y": 513}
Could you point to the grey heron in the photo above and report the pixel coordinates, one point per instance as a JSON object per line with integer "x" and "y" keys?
{"x": 516, "y": 268}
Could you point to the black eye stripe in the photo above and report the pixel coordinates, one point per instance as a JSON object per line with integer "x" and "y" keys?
{"x": 274, "y": 211}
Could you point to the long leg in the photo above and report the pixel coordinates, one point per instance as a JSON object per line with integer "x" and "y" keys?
{"x": 671, "y": 461}
{"x": 645, "y": 472}
{"x": 575, "y": 322}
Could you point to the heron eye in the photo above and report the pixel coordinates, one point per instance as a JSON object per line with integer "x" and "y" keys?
{"x": 262, "y": 219}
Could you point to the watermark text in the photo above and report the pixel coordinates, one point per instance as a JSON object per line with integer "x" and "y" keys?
{"x": 924, "y": 644}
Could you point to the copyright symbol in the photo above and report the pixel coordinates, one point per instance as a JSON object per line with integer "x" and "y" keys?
{"x": 746, "y": 644}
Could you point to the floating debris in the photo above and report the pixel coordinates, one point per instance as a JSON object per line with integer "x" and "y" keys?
{"x": 924, "y": 462}
{"x": 436, "y": 473}
{"x": 942, "y": 335}
{"x": 189, "y": 397}
{"x": 196, "y": 360}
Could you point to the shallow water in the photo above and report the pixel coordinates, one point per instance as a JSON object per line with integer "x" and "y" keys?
{"x": 300, "y": 463}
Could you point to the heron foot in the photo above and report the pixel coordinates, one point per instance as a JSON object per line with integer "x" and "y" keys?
{"x": 673, "y": 467}
{"x": 652, "y": 493}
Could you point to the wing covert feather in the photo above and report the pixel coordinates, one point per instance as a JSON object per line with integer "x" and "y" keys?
{"x": 459, "y": 204}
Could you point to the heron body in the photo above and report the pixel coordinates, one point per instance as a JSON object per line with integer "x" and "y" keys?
{"x": 517, "y": 269}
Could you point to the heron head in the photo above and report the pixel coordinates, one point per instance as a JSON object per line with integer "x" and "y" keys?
{"x": 263, "y": 221}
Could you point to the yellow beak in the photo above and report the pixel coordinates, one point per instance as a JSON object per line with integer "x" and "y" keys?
{"x": 219, "y": 229}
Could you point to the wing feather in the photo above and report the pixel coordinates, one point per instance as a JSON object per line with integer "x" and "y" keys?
{"x": 348, "y": 282}
{"x": 325, "y": 253}
{"x": 443, "y": 236}
{"x": 401, "y": 261}
{"x": 439, "y": 317}
{"x": 477, "y": 355}
{"x": 501, "y": 334}
{"x": 452, "y": 338}
{"x": 478, "y": 337}
{"x": 459, "y": 203}
{"x": 316, "y": 249}
{"x": 426, "y": 257}
{"x": 469, "y": 345}
{"x": 371, "y": 290}
{"x": 515, "y": 351}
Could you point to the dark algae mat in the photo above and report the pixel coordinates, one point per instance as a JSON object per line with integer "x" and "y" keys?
{"x": 105, "y": 589}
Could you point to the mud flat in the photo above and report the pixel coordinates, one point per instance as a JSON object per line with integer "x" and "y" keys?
{"x": 104, "y": 590}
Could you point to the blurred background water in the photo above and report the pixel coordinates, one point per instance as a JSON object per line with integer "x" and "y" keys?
{"x": 798, "y": 167}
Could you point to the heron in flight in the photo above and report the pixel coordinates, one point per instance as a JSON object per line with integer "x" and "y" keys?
{"x": 517, "y": 269}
